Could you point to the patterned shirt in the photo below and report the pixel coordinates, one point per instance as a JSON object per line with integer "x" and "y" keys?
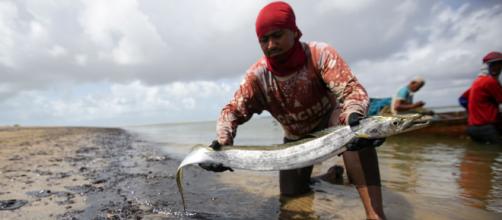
{"x": 323, "y": 91}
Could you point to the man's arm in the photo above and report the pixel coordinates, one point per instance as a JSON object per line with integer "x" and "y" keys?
{"x": 401, "y": 105}
{"x": 349, "y": 93}
{"x": 245, "y": 103}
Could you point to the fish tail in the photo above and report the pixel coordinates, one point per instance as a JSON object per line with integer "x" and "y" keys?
{"x": 179, "y": 179}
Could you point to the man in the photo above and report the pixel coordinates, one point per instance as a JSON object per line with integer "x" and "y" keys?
{"x": 482, "y": 100}
{"x": 306, "y": 87}
{"x": 402, "y": 102}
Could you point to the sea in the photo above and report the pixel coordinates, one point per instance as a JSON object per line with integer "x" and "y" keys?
{"x": 424, "y": 176}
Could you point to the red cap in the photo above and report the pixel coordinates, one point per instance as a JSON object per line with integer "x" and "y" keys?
{"x": 276, "y": 15}
{"x": 492, "y": 57}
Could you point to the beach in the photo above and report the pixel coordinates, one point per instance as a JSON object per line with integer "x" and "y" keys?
{"x": 113, "y": 173}
{"x": 82, "y": 173}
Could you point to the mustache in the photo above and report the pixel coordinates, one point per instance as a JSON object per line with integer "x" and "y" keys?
{"x": 273, "y": 51}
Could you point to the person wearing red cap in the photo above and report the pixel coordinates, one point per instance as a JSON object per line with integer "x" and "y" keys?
{"x": 482, "y": 102}
{"x": 306, "y": 87}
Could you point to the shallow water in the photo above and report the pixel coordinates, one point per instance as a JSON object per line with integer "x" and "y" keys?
{"x": 427, "y": 176}
{"x": 454, "y": 169}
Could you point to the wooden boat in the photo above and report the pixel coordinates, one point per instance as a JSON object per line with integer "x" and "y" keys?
{"x": 449, "y": 123}
{"x": 446, "y": 123}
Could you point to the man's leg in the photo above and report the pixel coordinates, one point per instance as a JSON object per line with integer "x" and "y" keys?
{"x": 295, "y": 182}
{"x": 484, "y": 134}
{"x": 362, "y": 169}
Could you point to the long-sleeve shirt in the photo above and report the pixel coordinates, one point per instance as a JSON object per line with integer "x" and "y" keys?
{"x": 300, "y": 102}
{"x": 484, "y": 98}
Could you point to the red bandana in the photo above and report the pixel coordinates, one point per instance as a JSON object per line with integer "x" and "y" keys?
{"x": 280, "y": 15}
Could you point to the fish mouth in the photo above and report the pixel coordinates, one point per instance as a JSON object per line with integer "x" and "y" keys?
{"x": 416, "y": 124}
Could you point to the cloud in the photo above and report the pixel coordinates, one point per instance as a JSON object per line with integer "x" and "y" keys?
{"x": 118, "y": 104}
{"x": 456, "y": 41}
{"x": 189, "y": 49}
{"x": 121, "y": 31}
{"x": 57, "y": 51}
{"x": 81, "y": 59}
{"x": 8, "y": 12}
{"x": 344, "y": 6}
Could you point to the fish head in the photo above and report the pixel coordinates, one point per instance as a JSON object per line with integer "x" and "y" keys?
{"x": 385, "y": 126}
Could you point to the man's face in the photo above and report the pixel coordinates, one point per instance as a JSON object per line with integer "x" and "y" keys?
{"x": 415, "y": 86}
{"x": 277, "y": 42}
{"x": 495, "y": 68}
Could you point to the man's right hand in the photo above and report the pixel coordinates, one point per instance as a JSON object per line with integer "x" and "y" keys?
{"x": 215, "y": 167}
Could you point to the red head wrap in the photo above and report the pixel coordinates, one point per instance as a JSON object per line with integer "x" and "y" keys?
{"x": 279, "y": 15}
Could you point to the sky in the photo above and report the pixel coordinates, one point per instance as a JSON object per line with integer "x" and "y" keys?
{"x": 131, "y": 62}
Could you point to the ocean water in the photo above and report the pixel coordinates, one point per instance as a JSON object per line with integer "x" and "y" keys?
{"x": 423, "y": 176}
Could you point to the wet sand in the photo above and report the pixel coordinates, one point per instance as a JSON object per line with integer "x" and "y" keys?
{"x": 108, "y": 173}
{"x": 82, "y": 173}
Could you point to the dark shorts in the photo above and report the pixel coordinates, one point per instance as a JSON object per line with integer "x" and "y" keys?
{"x": 485, "y": 134}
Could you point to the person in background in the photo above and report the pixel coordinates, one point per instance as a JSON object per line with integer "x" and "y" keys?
{"x": 402, "y": 102}
{"x": 482, "y": 101}
{"x": 307, "y": 87}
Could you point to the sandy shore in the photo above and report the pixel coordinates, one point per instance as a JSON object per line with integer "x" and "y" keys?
{"x": 82, "y": 173}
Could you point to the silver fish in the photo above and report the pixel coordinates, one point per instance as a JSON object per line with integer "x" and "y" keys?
{"x": 316, "y": 148}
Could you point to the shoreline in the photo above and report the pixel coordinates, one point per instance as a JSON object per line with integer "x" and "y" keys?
{"x": 106, "y": 173}
{"x": 79, "y": 173}
{"x": 110, "y": 173}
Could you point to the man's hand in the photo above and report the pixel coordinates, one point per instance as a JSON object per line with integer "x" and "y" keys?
{"x": 360, "y": 143}
{"x": 419, "y": 104}
{"x": 215, "y": 167}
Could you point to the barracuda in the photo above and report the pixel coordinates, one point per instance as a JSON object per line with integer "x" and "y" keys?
{"x": 316, "y": 148}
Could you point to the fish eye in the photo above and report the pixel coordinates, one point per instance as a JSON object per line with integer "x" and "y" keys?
{"x": 395, "y": 123}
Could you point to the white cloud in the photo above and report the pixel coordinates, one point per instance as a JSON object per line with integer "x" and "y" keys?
{"x": 219, "y": 14}
{"x": 122, "y": 31}
{"x": 134, "y": 101}
{"x": 188, "y": 103}
{"x": 345, "y": 6}
{"x": 57, "y": 51}
{"x": 38, "y": 31}
{"x": 449, "y": 59}
{"x": 81, "y": 59}
{"x": 4, "y": 88}
{"x": 403, "y": 12}
{"x": 8, "y": 14}
{"x": 175, "y": 56}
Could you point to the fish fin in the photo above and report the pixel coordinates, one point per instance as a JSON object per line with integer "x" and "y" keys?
{"x": 362, "y": 136}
